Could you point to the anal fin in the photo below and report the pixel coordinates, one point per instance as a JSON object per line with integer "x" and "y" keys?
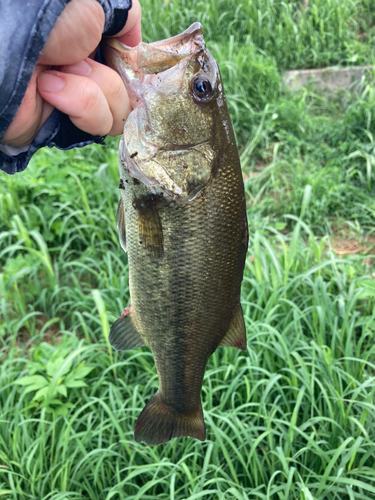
{"x": 124, "y": 335}
{"x": 236, "y": 334}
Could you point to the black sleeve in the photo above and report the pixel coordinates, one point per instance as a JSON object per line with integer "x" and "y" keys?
{"x": 24, "y": 29}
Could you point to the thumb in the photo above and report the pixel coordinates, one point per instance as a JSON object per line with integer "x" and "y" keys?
{"x": 131, "y": 34}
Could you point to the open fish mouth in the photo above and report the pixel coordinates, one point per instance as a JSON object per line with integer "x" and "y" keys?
{"x": 139, "y": 65}
{"x": 173, "y": 89}
{"x": 155, "y": 57}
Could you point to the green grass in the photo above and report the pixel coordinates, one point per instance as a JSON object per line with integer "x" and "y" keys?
{"x": 327, "y": 32}
{"x": 294, "y": 417}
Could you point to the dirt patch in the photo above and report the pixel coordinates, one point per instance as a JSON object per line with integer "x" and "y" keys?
{"x": 351, "y": 246}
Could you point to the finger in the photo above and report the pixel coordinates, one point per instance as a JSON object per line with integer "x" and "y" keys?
{"x": 131, "y": 33}
{"x": 76, "y": 33}
{"x": 80, "y": 98}
{"x": 111, "y": 86}
{"x": 30, "y": 116}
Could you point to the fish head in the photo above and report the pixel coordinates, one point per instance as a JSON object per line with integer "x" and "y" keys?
{"x": 173, "y": 137}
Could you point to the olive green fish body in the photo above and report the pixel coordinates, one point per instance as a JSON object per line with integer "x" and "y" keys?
{"x": 186, "y": 238}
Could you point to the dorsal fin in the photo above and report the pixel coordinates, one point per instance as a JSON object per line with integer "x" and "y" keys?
{"x": 236, "y": 334}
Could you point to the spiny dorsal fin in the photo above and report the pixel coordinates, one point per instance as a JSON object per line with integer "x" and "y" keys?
{"x": 124, "y": 334}
{"x": 236, "y": 334}
{"x": 159, "y": 423}
{"x": 149, "y": 226}
{"x": 120, "y": 221}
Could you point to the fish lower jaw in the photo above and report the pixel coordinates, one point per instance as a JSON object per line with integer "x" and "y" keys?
{"x": 178, "y": 197}
{"x": 179, "y": 174}
{"x": 171, "y": 192}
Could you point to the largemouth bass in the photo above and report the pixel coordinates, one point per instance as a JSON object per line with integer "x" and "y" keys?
{"x": 182, "y": 220}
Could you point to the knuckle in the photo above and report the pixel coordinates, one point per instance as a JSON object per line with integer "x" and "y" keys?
{"x": 90, "y": 27}
{"x": 117, "y": 89}
{"x": 76, "y": 33}
{"x": 94, "y": 112}
{"x": 90, "y": 97}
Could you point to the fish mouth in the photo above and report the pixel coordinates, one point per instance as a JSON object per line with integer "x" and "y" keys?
{"x": 155, "y": 57}
{"x": 180, "y": 42}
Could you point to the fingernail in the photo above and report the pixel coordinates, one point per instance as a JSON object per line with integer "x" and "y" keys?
{"x": 81, "y": 68}
{"x": 50, "y": 82}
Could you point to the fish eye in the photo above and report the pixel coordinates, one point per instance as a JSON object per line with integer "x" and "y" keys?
{"x": 201, "y": 88}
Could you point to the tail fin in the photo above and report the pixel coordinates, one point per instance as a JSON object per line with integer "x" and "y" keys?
{"x": 159, "y": 423}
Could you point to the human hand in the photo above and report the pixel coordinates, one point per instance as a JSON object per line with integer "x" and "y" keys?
{"x": 90, "y": 93}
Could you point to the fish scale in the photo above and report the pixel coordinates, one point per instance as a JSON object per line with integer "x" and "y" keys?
{"x": 186, "y": 256}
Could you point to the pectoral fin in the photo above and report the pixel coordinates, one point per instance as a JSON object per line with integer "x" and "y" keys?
{"x": 120, "y": 221}
{"x": 236, "y": 334}
{"x": 149, "y": 226}
{"x": 124, "y": 335}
